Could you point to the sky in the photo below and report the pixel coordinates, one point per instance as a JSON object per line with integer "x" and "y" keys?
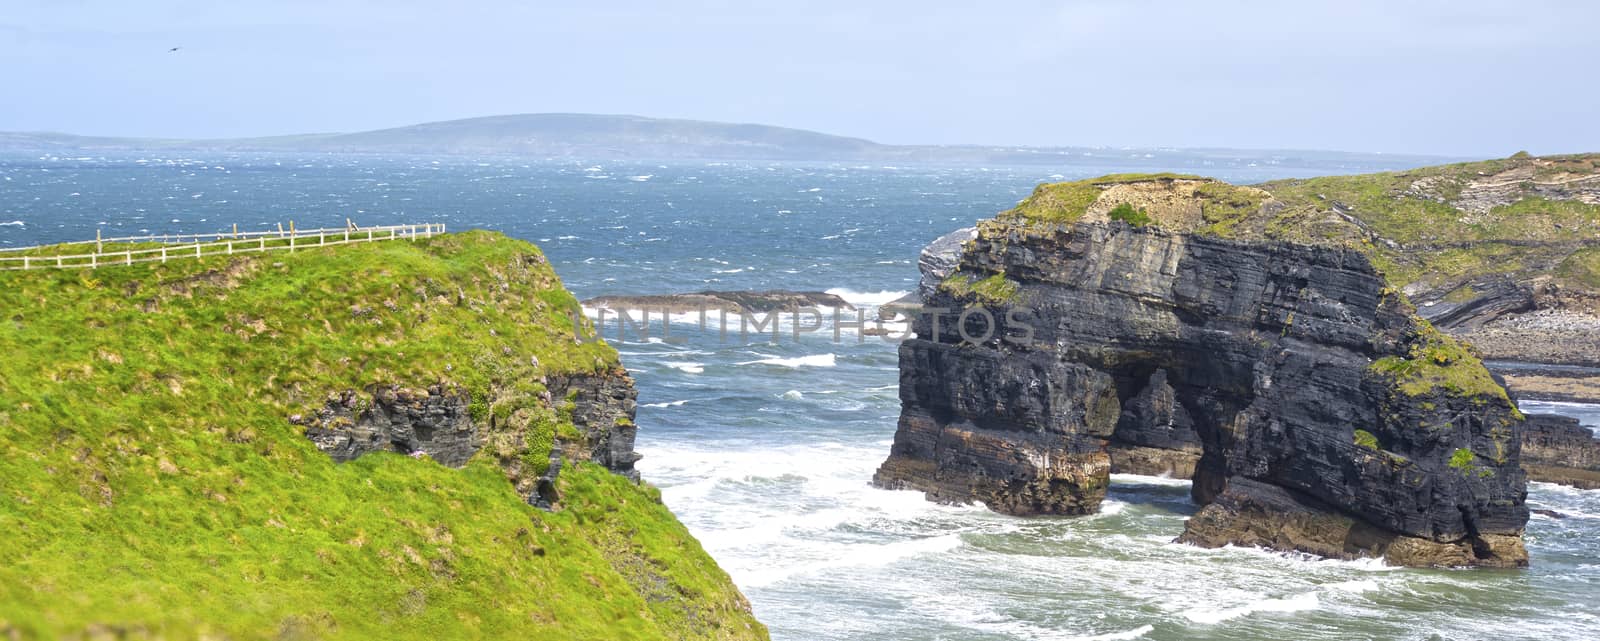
{"x": 1460, "y": 77}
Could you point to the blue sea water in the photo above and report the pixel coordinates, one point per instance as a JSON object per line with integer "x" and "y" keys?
{"x": 765, "y": 447}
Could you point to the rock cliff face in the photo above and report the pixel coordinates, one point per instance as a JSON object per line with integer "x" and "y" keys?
{"x": 432, "y": 421}
{"x": 438, "y": 422}
{"x": 1556, "y": 449}
{"x": 1504, "y": 254}
{"x": 1155, "y": 435}
{"x": 1316, "y": 395}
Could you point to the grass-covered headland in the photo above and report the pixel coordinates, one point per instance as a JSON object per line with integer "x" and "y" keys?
{"x": 152, "y": 485}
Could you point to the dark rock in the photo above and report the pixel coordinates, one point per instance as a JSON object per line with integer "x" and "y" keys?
{"x": 1020, "y": 432}
{"x": 1550, "y": 513}
{"x": 1556, "y": 449}
{"x": 603, "y": 407}
{"x": 1268, "y": 348}
{"x": 437, "y": 422}
{"x": 1155, "y": 435}
{"x": 940, "y": 259}
{"x": 395, "y": 419}
{"x": 1262, "y": 515}
{"x": 937, "y": 261}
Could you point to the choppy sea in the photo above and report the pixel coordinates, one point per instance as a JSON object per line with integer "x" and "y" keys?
{"x": 765, "y": 447}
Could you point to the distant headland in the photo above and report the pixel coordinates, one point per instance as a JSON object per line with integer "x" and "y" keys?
{"x": 598, "y": 136}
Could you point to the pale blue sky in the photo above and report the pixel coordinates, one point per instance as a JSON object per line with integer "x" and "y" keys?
{"x": 1463, "y": 77}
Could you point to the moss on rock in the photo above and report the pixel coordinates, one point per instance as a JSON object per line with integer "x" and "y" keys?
{"x": 994, "y": 289}
{"x": 1435, "y": 362}
{"x": 1367, "y": 440}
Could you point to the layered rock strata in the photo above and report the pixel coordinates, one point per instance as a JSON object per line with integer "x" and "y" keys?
{"x": 1556, "y": 449}
{"x": 1314, "y": 391}
{"x": 438, "y": 422}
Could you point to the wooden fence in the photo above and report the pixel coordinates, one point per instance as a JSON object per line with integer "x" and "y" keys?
{"x": 138, "y": 249}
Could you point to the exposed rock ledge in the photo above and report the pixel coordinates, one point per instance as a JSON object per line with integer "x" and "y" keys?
{"x": 438, "y": 422}
{"x": 1317, "y": 396}
{"x": 1556, "y": 449}
{"x": 730, "y": 301}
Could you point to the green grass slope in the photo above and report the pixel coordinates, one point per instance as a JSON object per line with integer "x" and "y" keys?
{"x": 1432, "y": 227}
{"x": 151, "y": 486}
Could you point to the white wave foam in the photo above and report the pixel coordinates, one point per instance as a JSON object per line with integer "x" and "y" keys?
{"x": 688, "y": 368}
{"x": 1294, "y": 603}
{"x": 1356, "y": 587}
{"x": 793, "y": 395}
{"x": 871, "y": 299}
{"x": 1118, "y": 636}
{"x": 813, "y": 360}
{"x": 666, "y": 404}
{"x": 855, "y": 555}
{"x": 14, "y": 223}
{"x": 1140, "y": 479}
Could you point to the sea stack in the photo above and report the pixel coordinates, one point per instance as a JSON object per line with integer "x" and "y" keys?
{"x": 1327, "y": 416}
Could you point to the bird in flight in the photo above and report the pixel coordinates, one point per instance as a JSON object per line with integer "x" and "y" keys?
{"x": 174, "y": 49}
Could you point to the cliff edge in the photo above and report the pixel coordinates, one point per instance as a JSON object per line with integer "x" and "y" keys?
{"x": 399, "y": 440}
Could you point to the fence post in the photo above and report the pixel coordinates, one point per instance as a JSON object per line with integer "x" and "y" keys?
{"x": 163, "y": 254}
{"x": 197, "y": 248}
{"x": 130, "y": 257}
{"x": 24, "y": 263}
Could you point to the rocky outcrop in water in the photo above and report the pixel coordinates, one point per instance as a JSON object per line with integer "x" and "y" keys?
{"x": 1316, "y": 395}
{"x": 761, "y": 302}
{"x": 1556, "y": 449}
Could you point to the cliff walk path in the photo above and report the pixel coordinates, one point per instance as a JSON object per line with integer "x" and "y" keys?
{"x": 104, "y": 252}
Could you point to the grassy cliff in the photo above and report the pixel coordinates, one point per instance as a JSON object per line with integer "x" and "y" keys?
{"x": 1433, "y": 228}
{"x": 152, "y": 486}
{"x": 1495, "y": 239}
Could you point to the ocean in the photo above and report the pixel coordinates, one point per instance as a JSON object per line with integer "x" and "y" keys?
{"x": 765, "y": 447}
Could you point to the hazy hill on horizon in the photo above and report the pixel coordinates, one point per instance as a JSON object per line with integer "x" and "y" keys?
{"x": 596, "y": 136}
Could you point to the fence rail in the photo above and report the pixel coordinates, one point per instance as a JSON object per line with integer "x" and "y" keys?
{"x": 174, "y": 247}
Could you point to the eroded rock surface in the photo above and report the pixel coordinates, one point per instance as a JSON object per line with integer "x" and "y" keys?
{"x": 1297, "y": 366}
{"x": 434, "y": 421}
{"x": 1155, "y": 435}
{"x": 438, "y": 422}
{"x": 1556, "y": 449}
